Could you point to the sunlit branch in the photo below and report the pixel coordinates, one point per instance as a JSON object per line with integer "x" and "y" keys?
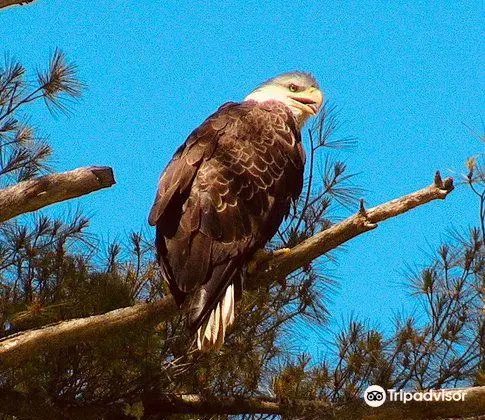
{"x": 263, "y": 270}
{"x": 39, "y": 192}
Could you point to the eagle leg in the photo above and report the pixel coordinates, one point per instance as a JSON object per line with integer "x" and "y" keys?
{"x": 262, "y": 256}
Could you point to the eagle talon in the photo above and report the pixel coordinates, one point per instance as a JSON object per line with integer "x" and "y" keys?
{"x": 261, "y": 256}
{"x": 281, "y": 251}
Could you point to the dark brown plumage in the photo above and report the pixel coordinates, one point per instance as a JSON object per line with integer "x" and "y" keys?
{"x": 222, "y": 197}
{"x": 224, "y": 194}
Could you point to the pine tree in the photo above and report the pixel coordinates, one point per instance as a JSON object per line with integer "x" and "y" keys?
{"x": 53, "y": 270}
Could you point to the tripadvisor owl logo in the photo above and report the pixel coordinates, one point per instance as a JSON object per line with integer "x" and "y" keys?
{"x": 375, "y": 396}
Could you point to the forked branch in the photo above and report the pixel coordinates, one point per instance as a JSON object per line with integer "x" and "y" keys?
{"x": 272, "y": 268}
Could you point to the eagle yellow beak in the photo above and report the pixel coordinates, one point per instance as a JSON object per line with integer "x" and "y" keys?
{"x": 310, "y": 100}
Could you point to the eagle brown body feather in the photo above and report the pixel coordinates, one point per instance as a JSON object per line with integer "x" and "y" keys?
{"x": 223, "y": 196}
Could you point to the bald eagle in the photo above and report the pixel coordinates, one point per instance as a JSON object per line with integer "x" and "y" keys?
{"x": 224, "y": 194}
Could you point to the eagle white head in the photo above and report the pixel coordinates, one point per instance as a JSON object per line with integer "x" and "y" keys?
{"x": 299, "y": 91}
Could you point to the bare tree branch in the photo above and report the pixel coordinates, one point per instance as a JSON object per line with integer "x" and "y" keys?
{"x": 39, "y": 192}
{"x": 8, "y": 3}
{"x": 18, "y": 347}
{"x": 153, "y": 404}
{"x": 274, "y": 267}
{"x": 472, "y": 405}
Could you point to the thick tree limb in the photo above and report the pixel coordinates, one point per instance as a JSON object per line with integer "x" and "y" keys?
{"x": 153, "y": 405}
{"x": 39, "y": 192}
{"x": 18, "y": 347}
{"x": 8, "y": 3}
{"x": 472, "y": 405}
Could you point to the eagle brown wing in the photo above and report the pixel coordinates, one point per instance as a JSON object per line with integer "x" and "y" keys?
{"x": 223, "y": 196}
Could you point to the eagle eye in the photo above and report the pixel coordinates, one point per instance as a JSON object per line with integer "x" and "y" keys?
{"x": 293, "y": 88}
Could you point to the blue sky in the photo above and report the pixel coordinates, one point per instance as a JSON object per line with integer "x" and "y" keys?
{"x": 405, "y": 77}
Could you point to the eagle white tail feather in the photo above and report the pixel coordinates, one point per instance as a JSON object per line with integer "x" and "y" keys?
{"x": 211, "y": 333}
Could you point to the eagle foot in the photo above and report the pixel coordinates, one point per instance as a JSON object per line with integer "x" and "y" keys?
{"x": 261, "y": 256}
{"x": 281, "y": 251}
